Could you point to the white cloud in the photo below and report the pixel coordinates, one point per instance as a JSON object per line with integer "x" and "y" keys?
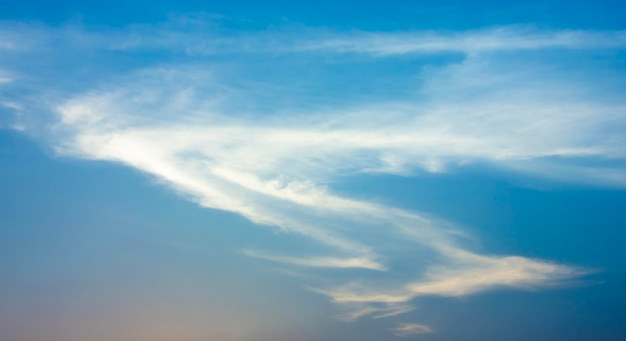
{"x": 276, "y": 172}
{"x": 319, "y": 262}
{"x": 466, "y": 273}
{"x": 407, "y": 329}
{"x": 356, "y": 311}
{"x": 202, "y": 39}
{"x": 188, "y": 128}
{"x": 493, "y": 39}
{"x": 192, "y": 36}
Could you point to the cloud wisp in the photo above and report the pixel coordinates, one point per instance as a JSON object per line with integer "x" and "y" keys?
{"x": 183, "y": 123}
{"x": 498, "y": 39}
{"x": 276, "y": 174}
{"x": 407, "y": 329}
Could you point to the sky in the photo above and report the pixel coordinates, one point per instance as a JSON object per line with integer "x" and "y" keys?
{"x": 202, "y": 170}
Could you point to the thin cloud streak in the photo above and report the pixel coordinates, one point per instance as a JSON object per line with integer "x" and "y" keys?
{"x": 408, "y": 329}
{"x": 318, "y": 262}
{"x": 197, "y": 37}
{"x": 208, "y": 41}
{"x": 495, "y": 39}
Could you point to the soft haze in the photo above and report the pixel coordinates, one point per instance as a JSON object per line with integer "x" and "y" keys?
{"x": 187, "y": 171}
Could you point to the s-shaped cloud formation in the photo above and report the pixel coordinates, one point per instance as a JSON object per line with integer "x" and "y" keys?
{"x": 185, "y": 126}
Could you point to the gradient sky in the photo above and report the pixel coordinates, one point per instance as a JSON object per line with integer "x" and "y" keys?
{"x": 199, "y": 170}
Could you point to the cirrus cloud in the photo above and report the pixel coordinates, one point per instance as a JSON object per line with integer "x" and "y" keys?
{"x": 211, "y": 137}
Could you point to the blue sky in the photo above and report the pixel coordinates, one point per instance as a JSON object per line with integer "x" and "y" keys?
{"x": 328, "y": 171}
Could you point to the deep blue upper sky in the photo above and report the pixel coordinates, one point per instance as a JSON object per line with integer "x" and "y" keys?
{"x": 312, "y": 171}
{"x": 366, "y": 15}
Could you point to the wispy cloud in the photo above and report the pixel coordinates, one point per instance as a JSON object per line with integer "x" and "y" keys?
{"x": 203, "y": 36}
{"x": 318, "y": 262}
{"x": 467, "y": 273}
{"x": 199, "y": 38}
{"x": 407, "y": 329}
{"x": 201, "y": 133}
{"x": 495, "y": 39}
